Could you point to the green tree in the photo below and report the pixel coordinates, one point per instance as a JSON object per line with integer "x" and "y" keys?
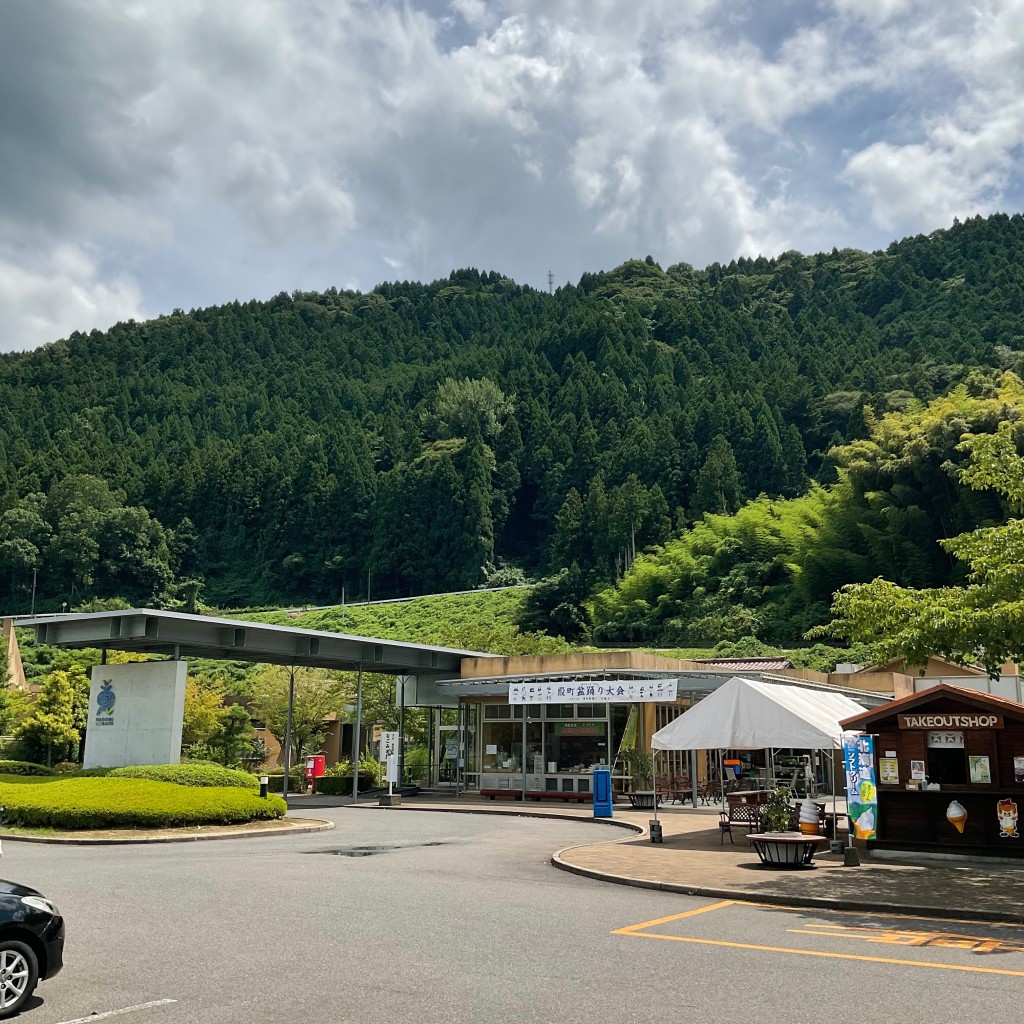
{"x": 318, "y": 694}
{"x": 204, "y": 710}
{"x": 234, "y": 736}
{"x": 718, "y": 483}
{"x": 52, "y": 726}
{"x": 982, "y": 621}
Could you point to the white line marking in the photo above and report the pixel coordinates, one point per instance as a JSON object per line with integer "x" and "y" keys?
{"x": 117, "y": 1013}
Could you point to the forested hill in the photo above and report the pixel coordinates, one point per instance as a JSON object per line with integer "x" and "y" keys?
{"x": 414, "y": 435}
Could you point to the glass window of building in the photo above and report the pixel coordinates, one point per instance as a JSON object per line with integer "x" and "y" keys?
{"x": 576, "y": 746}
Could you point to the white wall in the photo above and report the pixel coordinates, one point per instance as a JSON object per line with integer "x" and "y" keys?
{"x": 1005, "y": 686}
{"x": 144, "y": 724}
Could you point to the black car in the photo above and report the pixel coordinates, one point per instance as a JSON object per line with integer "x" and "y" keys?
{"x": 31, "y": 944}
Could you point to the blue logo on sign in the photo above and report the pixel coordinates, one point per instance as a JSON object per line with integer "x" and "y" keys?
{"x": 105, "y": 698}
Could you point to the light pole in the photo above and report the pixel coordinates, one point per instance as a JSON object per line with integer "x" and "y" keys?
{"x": 34, "y": 573}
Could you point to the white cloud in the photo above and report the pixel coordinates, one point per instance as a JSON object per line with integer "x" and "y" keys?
{"x": 59, "y": 294}
{"x": 960, "y": 158}
{"x": 324, "y": 136}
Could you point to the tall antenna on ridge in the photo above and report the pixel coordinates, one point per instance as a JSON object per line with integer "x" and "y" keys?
{"x": 551, "y": 282}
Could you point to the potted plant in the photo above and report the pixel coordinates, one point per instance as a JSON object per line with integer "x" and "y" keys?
{"x": 776, "y": 811}
{"x": 641, "y": 768}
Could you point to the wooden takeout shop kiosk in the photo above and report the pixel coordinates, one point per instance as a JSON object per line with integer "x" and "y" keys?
{"x": 949, "y": 766}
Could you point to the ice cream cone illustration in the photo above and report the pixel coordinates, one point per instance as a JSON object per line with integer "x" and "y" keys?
{"x": 864, "y": 825}
{"x": 809, "y": 817}
{"x": 956, "y": 815}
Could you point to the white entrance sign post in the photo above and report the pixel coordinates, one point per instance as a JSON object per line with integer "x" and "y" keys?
{"x": 135, "y": 714}
{"x": 389, "y": 755}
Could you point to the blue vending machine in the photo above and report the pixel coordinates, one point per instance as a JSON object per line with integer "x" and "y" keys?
{"x": 602, "y": 793}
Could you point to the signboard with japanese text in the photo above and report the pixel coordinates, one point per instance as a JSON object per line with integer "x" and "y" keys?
{"x": 617, "y": 691}
{"x": 388, "y": 745}
{"x": 861, "y": 793}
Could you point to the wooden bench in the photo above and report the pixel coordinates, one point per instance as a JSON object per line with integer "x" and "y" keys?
{"x": 745, "y": 816}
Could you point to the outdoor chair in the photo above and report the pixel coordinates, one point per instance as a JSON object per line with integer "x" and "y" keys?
{"x": 680, "y": 789}
{"x": 744, "y": 816}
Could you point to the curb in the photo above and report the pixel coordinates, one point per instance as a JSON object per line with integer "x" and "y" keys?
{"x": 315, "y": 825}
{"x": 797, "y": 902}
{"x": 639, "y": 829}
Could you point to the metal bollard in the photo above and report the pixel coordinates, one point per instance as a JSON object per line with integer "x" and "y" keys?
{"x": 264, "y": 786}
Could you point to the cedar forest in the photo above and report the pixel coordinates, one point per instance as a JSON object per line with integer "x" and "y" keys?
{"x": 766, "y": 431}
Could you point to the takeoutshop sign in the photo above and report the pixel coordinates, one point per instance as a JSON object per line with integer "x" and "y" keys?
{"x": 951, "y": 721}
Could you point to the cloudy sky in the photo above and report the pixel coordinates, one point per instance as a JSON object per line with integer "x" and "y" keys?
{"x": 159, "y": 154}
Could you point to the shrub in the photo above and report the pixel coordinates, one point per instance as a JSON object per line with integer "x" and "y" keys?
{"x": 342, "y": 767}
{"x": 341, "y": 785}
{"x": 63, "y": 767}
{"x": 334, "y": 785}
{"x": 192, "y": 773}
{"x": 296, "y": 781}
{"x": 76, "y": 803}
{"x": 417, "y": 764}
{"x": 24, "y": 768}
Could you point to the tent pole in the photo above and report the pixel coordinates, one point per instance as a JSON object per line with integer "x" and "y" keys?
{"x": 832, "y": 773}
{"x": 654, "y": 780}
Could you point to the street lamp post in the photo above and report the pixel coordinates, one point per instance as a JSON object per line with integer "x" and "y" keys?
{"x": 35, "y": 571}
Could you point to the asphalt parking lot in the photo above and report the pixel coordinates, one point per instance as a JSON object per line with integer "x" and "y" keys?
{"x": 429, "y": 917}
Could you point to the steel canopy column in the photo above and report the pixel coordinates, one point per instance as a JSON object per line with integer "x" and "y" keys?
{"x": 355, "y": 734}
{"x": 288, "y": 731}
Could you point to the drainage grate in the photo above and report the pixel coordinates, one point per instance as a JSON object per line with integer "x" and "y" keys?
{"x": 372, "y": 851}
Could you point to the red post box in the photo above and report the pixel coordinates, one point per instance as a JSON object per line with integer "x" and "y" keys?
{"x": 316, "y": 765}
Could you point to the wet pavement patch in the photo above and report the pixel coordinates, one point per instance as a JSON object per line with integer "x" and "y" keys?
{"x": 375, "y": 848}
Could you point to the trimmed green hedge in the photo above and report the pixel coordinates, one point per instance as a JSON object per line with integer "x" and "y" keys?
{"x": 275, "y": 779}
{"x": 341, "y": 785}
{"x": 23, "y": 768}
{"x": 191, "y": 773}
{"x": 131, "y": 803}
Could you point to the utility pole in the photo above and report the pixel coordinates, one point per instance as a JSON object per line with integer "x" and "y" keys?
{"x": 35, "y": 572}
{"x": 551, "y": 282}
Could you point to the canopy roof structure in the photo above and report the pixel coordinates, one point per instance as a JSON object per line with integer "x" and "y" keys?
{"x": 746, "y": 714}
{"x": 178, "y": 635}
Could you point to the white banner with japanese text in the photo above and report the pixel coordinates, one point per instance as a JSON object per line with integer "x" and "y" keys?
{"x": 616, "y": 691}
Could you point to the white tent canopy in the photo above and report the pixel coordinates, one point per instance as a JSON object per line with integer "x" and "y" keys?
{"x": 743, "y": 714}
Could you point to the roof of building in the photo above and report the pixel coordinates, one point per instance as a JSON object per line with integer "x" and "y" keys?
{"x": 179, "y": 635}
{"x": 742, "y": 665}
{"x": 989, "y": 700}
{"x": 900, "y": 665}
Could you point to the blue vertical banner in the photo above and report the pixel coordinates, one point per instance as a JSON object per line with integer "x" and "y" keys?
{"x": 861, "y": 789}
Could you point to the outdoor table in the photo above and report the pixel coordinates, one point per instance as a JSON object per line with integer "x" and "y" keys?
{"x": 644, "y": 798}
{"x": 785, "y": 849}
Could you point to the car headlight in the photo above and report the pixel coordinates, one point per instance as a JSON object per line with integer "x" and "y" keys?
{"x": 38, "y": 903}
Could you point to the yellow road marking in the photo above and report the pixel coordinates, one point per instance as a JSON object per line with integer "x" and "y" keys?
{"x": 898, "y": 937}
{"x": 814, "y": 952}
{"x": 638, "y": 931}
{"x": 631, "y": 929}
{"x": 807, "y": 911}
